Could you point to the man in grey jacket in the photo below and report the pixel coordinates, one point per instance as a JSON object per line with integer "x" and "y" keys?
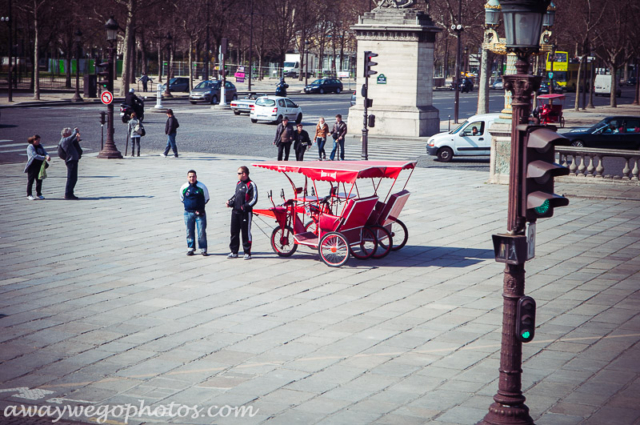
{"x": 338, "y": 133}
{"x": 71, "y": 146}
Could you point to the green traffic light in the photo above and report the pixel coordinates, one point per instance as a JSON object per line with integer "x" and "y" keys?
{"x": 526, "y": 335}
{"x": 544, "y": 208}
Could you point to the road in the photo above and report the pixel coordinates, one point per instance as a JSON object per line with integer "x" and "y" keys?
{"x": 219, "y": 131}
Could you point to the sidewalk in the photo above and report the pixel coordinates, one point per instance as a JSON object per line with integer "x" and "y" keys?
{"x": 100, "y": 306}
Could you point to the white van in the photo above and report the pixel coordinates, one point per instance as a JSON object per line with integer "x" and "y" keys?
{"x": 464, "y": 140}
{"x": 602, "y": 86}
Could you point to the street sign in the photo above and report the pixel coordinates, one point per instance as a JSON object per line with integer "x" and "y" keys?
{"x": 106, "y": 97}
{"x": 531, "y": 241}
{"x": 381, "y": 79}
{"x": 343, "y": 74}
{"x": 551, "y": 75}
{"x": 510, "y": 249}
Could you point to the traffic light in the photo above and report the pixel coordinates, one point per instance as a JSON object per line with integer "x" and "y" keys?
{"x": 538, "y": 170}
{"x": 368, "y": 63}
{"x": 372, "y": 121}
{"x": 526, "y": 319}
{"x": 104, "y": 76}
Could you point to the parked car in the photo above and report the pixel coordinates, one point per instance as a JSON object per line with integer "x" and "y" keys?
{"x": 353, "y": 99}
{"x": 544, "y": 88}
{"x": 498, "y": 85}
{"x": 244, "y": 105}
{"x": 618, "y": 132}
{"x": 464, "y": 140}
{"x": 274, "y": 109}
{"x": 209, "y": 91}
{"x": 324, "y": 85}
{"x": 177, "y": 84}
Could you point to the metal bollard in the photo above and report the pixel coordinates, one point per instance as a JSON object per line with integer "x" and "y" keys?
{"x": 159, "y": 96}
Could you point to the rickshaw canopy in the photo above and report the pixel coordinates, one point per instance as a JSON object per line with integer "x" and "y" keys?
{"x": 551, "y": 96}
{"x": 340, "y": 172}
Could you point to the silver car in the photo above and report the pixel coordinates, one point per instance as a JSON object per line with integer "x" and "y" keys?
{"x": 209, "y": 91}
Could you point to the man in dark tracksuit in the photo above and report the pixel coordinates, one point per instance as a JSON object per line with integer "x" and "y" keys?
{"x": 242, "y": 202}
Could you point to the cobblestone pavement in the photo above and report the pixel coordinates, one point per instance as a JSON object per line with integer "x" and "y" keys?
{"x": 99, "y": 306}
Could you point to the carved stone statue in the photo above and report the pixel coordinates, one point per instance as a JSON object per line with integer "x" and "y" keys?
{"x": 395, "y": 4}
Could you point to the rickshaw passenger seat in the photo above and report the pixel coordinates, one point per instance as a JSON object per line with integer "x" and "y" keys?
{"x": 328, "y": 222}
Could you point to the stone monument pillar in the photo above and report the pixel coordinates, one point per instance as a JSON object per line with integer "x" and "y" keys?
{"x": 402, "y": 91}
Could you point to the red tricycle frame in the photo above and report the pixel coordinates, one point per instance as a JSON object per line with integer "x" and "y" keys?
{"x": 342, "y": 222}
{"x": 551, "y": 113}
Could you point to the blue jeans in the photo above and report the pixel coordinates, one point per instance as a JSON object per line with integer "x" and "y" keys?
{"x": 191, "y": 219}
{"x": 337, "y": 143}
{"x": 320, "y": 141}
{"x": 171, "y": 144}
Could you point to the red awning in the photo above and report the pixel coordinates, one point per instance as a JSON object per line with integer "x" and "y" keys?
{"x": 339, "y": 171}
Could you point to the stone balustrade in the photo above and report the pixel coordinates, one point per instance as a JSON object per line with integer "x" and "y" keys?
{"x": 588, "y": 165}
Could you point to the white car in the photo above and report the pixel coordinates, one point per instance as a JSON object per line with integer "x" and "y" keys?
{"x": 274, "y": 109}
{"x": 469, "y": 138}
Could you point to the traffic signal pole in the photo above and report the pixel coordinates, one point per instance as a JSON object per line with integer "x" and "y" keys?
{"x": 110, "y": 151}
{"x": 509, "y": 406}
{"x": 367, "y": 102}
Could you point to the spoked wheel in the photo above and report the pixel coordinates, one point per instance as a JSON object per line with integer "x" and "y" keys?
{"x": 312, "y": 227}
{"x": 385, "y": 242}
{"x": 334, "y": 249}
{"x": 400, "y": 235}
{"x": 282, "y": 241}
{"x": 367, "y": 246}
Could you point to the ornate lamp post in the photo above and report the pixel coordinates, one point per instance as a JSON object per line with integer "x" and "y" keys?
{"x": 110, "y": 151}
{"x": 523, "y": 25}
{"x": 167, "y": 90}
{"x": 78, "y": 38}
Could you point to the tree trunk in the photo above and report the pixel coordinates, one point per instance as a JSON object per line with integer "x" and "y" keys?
{"x": 159, "y": 63}
{"x": 190, "y": 64}
{"x": 127, "y": 49}
{"x": 69, "y": 57}
{"x": 613, "y": 102}
{"x": 576, "y": 106}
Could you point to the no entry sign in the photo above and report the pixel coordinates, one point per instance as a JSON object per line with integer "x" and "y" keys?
{"x": 106, "y": 97}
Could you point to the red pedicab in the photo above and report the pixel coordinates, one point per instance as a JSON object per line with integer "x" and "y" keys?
{"x": 341, "y": 222}
{"x": 551, "y": 113}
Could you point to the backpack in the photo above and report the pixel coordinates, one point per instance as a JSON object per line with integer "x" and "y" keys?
{"x": 62, "y": 153}
{"x": 139, "y": 130}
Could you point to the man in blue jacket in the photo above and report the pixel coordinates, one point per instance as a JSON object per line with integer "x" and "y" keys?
{"x": 194, "y": 195}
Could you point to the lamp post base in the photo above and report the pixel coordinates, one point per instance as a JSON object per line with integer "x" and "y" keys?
{"x": 109, "y": 154}
{"x": 76, "y": 98}
{"x": 507, "y": 415}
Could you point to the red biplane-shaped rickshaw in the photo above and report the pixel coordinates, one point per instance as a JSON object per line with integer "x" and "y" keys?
{"x": 346, "y": 220}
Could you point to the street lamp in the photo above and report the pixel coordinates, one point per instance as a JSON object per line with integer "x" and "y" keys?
{"x": 78, "y": 38}
{"x": 167, "y": 90}
{"x": 306, "y": 62}
{"x": 110, "y": 151}
{"x": 523, "y": 25}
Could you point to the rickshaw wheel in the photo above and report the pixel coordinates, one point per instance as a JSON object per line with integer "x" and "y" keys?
{"x": 385, "y": 242}
{"x": 367, "y": 247}
{"x": 312, "y": 227}
{"x": 334, "y": 249}
{"x": 400, "y": 235}
{"x": 282, "y": 242}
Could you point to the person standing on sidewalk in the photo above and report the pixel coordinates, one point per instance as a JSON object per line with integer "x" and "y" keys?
{"x": 70, "y": 144}
{"x": 302, "y": 142}
{"x": 283, "y": 139}
{"x": 322, "y": 131}
{"x": 194, "y": 195}
{"x": 145, "y": 79}
{"x": 36, "y": 155}
{"x": 338, "y": 133}
{"x": 242, "y": 202}
{"x": 171, "y": 129}
{"x": 135, "y": 131}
